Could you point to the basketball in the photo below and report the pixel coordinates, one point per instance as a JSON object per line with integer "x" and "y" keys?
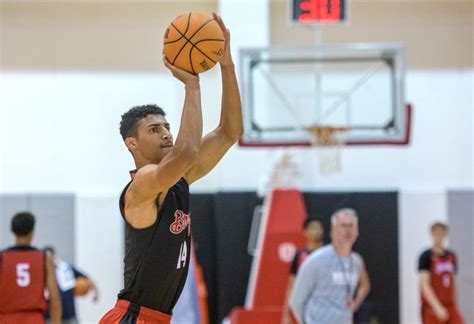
{"x": 194, "y": 42}
{"x": 82, "y": 287}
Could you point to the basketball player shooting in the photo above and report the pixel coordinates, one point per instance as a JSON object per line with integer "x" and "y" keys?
{"x": 155, "y": 203}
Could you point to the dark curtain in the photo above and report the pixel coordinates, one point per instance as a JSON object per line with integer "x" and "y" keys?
{"x": 221, "y": 226}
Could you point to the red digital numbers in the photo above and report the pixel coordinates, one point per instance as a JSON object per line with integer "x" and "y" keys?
{"x": 306, "y": 11}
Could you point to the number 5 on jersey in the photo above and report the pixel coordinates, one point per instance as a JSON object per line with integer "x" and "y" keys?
{"x": 183, "y": 253}
{"x": 23, "y": 278}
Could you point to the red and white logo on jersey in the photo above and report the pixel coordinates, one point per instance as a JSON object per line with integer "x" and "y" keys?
{"x": 181, "y": 221}
{"x": 442, "y": 267}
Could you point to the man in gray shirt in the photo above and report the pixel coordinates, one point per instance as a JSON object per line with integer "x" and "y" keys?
{"x": 327, "y": 280}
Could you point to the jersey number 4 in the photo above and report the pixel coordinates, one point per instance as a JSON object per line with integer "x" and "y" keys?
{"x": 23, "y": 277}
{"x": 183, "y": 253}
{"x": 447, "y": 280}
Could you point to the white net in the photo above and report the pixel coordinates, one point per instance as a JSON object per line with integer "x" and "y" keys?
{"x": 328, "y": 142}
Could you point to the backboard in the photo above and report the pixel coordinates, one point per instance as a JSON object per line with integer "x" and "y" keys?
{"x": 285, "y": 90}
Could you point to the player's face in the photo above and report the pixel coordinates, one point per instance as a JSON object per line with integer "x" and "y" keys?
{"x": 439, "y": 235}
{"x": 314, "y": 231}
{"x": 346, "y": 229}
{"x": 154, "y": 139}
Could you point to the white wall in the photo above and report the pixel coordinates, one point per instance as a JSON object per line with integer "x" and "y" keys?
{"x": 61, "y": 130}
{"x": 99, "y": 247}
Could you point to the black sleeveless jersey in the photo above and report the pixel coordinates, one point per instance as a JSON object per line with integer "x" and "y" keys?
{"x": 157, "y": 257}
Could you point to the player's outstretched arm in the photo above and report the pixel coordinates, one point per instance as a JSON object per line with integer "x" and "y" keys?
{"x": 153, "y": 179}
{"x": 55, "y": 308}
{"x": 231, "y": 124}
{"x": 217, "y": 143}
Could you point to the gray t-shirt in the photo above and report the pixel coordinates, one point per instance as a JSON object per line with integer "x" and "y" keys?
{"x": 323, "y": 286}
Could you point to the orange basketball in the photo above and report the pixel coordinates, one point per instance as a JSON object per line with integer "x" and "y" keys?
{"x": 82, "y": 287}
{"x": 194, "y": 42}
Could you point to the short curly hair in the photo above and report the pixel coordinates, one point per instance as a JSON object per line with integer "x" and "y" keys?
{"x": 128, "y": 124}
{"x": 23, "y": 223}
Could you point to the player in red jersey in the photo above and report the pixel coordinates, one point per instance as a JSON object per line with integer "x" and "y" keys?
{"x": 313, "y": 231}
{"x": 25, "y": 272}
{"x": 437, "y": 268}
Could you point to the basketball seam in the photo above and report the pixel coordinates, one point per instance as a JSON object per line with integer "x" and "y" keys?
{"x": 194, "y": 46}
{"x": 194, "y": 34}
{"x": 188, "y": 40}
{"x": 190, "y": 58}
{"x": 176, "y": 40}
{"x": 187, "y": 27}
{"x": 179, "y": 32}
{"x": 207, "y": 40}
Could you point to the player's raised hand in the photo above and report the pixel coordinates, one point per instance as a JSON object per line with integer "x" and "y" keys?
{"x": 226, "y": 59}
{"x": 182, "y": 75}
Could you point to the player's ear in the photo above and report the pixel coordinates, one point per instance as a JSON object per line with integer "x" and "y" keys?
{"x": 131, "y": 143}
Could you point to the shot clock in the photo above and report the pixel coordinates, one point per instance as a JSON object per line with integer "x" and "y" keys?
{"x": 319, "y": 11}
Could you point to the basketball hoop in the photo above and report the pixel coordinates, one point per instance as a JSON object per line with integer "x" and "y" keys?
{"x": 328, "y": 142}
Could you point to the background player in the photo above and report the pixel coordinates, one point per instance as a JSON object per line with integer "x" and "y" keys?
{"x": 326, "y": 283}
{"x": 437, "y": 267}
{"x": 66, "y": 276}
{"x": 313, "y": 231}
{"x": 25, "y": 272}
{"x": 155, "y": 204}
